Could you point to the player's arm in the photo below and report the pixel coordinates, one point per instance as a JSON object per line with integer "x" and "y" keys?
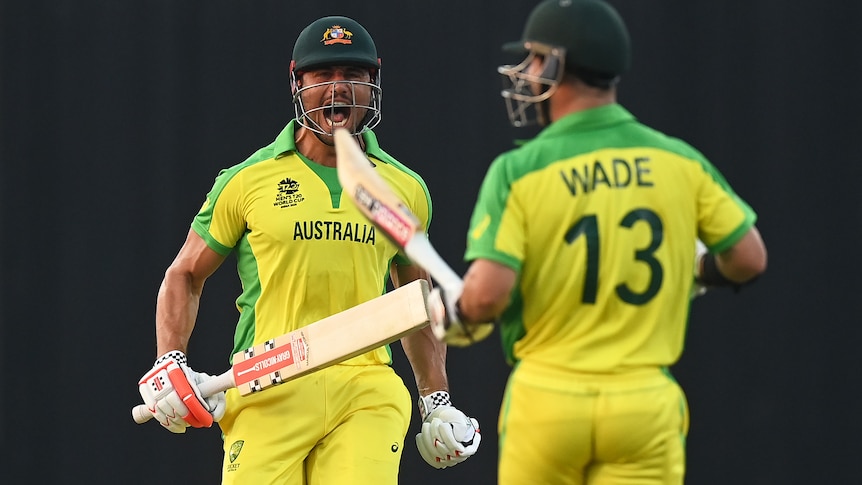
{"x": 487, "y": 286}
{"x": 466, "y": 313}
{"x": 426, "y": 354}
{"x": 170, "y": 389}
{"x": 741, "y": 263}
{"x": 180, "y": 293}
{"x": 448, "y": 436}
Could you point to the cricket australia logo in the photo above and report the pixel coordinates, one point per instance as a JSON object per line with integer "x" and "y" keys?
{"x": 233, "y": 454}
{"x": 288, "y": 194}
{"x": 337, "y": 35}
{"x": 235, "y": 448}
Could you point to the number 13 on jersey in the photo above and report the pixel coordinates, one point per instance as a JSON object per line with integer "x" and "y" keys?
{"x": 588, "y": 228}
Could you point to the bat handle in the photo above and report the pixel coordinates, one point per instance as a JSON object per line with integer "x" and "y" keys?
{"x": 141, "y": 414}
{"x": 217, "y": 384}
{"x": 419, "y": 248}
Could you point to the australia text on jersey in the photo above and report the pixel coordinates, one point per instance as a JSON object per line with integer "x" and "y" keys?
{"x": 334, "y": 230}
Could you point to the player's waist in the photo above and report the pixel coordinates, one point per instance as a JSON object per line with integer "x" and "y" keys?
{"x": 380, "y": 355}
{"x": 559, "y": 377}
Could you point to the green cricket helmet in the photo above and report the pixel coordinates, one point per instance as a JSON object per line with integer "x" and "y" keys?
{"x": 587, "y": 38}
{"x": 336, "y": 41}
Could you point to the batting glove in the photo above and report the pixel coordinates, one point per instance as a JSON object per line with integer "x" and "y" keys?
{"x": 448, "y": 436}
{"x": 446, "y": 322}
{"x": 700, "y": 250}
{"x": 170, "y": 391}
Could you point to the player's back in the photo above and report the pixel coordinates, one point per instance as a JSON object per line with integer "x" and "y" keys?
{"x": 601, "y": 213}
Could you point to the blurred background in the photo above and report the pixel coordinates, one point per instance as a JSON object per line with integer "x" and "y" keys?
{"x": 115, "y": 117}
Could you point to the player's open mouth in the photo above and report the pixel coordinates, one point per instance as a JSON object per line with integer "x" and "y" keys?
{"x": 336, "y": 116}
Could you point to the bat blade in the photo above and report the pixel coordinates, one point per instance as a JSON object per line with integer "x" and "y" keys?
{"x": 326, "y": 342}
{"x": 371, "y": 193}
{"x": 382, "y": 206}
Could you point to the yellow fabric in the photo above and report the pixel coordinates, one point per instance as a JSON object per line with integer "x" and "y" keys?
{"x": 304, "y": 251}
{"x": 595, "y": 429}
{"x": 560, "y": 327}
{"x": 349, "y": 421}
{"x": 598, "y": 215}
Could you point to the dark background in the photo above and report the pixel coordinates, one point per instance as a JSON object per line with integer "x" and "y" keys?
{"x": 116, "y": 117}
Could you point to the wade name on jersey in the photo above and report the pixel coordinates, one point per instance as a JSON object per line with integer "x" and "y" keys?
{"x": 616, "y": 174}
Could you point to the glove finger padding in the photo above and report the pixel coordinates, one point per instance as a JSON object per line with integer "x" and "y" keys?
{"x": 426, "y": 443}
{"x": 196, "y": 412}
{"x": 171, "y": 394}
{"x": 432, "y": 450}
{"x": 216, "y": 403}
{"x": 448, "y": 437}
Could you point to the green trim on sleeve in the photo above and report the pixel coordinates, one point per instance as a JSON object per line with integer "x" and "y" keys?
{"x": 216, "y": 246}
{"x": 735, "y": 236}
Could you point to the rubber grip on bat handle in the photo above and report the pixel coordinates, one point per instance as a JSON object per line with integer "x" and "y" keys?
{"x": 217, "y": 384}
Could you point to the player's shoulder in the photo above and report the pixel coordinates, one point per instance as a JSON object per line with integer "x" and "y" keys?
{"x": 260, "y": 155}
{"x": 641, "y": 134}
{"x": 391, "y": 163}
{"x": 395, "y": 168}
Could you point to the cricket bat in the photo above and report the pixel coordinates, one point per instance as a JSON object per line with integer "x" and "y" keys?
{"x": 382, "y": 206}
{"x": 321, "y": 344}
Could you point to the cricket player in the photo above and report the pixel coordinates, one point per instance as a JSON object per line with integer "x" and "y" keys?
{"x": 582, "y": 243}
{"x": 303, "y": 252}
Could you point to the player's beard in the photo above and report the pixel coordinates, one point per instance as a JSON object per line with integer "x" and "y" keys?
{"x": 325, "y": 139}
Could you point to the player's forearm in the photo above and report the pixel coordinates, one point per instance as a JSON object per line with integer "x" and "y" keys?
{"x": 745, "y": 260}
{"x": 427, "y": 357}
{"x": 176, "y": 310}
{"x": 487, "y": 286}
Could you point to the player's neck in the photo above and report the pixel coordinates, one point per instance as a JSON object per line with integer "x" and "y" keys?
{"x": 319, "y": 148}
{"x": 316, "y": 147}
{"x": 574, "y": 98}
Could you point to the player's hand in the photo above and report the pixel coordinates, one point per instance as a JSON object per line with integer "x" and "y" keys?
{"x": 700, "y": 250}
{"x": 448, "y": 436}
{"x": 170, "y": 391}
{"x": 446, "y": 322}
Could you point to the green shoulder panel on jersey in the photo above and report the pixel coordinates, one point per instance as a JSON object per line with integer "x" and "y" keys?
{"x": 606, "y": 127}
{"x": 203, "y": 220}
{"x": 603, "y": 128}
{"x": 373, "y": 149}
{"x": 512, "y": 325}
{"x": 488, "y": 213}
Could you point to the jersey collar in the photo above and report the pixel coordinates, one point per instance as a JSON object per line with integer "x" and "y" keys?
{"x": 590, "y": 119}
{"x": 285, "y": 141}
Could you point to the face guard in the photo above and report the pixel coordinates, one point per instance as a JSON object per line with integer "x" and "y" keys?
{"x": 339, "y": 106}
{"x": 526, "y": 89}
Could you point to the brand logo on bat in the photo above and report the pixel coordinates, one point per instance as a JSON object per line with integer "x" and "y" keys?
{"x": 392, "y": 223}
{"x": 263, "y": 364}
{"x": 300, "y": 348}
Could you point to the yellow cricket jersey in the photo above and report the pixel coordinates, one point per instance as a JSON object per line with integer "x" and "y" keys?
{"x": 598, "y": 215}
{"x": 303, "y": 250}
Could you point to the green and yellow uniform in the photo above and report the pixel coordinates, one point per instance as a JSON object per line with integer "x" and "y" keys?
{"x": 305, "y": 252}
{"x": 598, "y": 216}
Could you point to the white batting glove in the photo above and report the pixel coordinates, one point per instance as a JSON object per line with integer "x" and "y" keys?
{"x": 446, "y": 319}
{"x": 448, "y": 436}
{"x": 700, "y": 250}
{"x": 170, "y": 391}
